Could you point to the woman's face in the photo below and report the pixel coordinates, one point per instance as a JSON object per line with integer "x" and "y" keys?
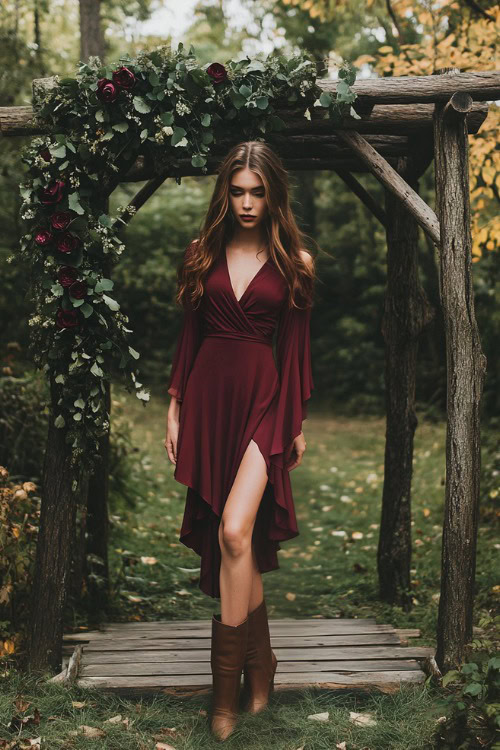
{"x": 247, "y": 196}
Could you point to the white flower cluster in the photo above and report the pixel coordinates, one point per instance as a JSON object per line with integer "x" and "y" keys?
{"x": 29, "y": 214}
{"x": 35, "y": 320}
{"x": 182, "y": 109}
{"x": 74, "y": 179}
{"x": 136, "y": 119}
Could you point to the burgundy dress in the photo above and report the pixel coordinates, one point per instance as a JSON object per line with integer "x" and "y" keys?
{"x": 232, "y": 391}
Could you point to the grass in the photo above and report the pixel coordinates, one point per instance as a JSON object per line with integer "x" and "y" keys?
{"x": 337, "y": 489}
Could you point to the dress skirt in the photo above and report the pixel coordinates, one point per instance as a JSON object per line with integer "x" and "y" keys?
{"x": 233, "y": 390}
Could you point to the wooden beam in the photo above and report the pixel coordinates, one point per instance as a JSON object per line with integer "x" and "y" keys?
{"x": 364, "y": 196}
{"x": 466, "y": 366}
{"x": 384, "y": 118}
{"x": 482, "y": 86}
{"x": 393, "y": 181}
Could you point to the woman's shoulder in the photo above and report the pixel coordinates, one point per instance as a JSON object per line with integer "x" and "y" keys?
{"x": 307, "y": 258}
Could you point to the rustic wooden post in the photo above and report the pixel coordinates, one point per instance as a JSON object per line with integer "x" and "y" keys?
{"x": 54, "y": 548}
{"x": 466, "y": 366}
{"x": 407, "y": 312}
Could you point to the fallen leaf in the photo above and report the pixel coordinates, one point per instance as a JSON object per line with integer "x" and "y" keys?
{"x": 341, "y": 746}
{"x": 163, "y": 746}
{"x": 78, "y": 704}
{"x": 149, "y": 560}
{"x": 114, "y": 719}
{"x": 91, "y": 731}
{"x": 319, "y": 717}
{"x": 361, "y": 719}
{"x": 291, "y": 597}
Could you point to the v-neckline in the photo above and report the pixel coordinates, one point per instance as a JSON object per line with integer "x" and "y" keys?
{"x": 250, "y": 282}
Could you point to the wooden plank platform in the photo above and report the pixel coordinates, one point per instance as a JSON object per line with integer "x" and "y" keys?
{"x": 174, "y": 656}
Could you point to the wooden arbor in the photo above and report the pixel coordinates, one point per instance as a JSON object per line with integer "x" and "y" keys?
{"x": 403, "y": 124}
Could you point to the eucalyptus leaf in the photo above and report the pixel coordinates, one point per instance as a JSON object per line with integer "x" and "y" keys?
{"x": 74, "y": 203}
{"x": 111, "y": 303}
{"x": 141, "y": 104}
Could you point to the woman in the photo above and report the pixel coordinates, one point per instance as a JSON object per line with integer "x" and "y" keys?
{"x": 234, "y": 421}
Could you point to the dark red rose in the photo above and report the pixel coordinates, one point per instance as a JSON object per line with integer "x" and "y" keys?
{"x": 78, "y": 289}
{"x": 107, "y": 91}
{"x": 43, "y": 237}
{"x": 217, "y": 72}
{"x": 53, "y": 193}
{"x": 67, "y": 242}
{"x": 124, "y": 78}
{"x": 45, "y": 154}
{"x": 67, "y": 275}
{"x": 60, "y": 220}
{"x": 67, "y": 318}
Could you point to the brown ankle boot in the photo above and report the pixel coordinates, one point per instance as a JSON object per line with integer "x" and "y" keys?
{"x": 228, "y": 648}
{"x": 260, "y": 661}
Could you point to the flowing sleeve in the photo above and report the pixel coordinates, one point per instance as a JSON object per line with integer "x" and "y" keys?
{"x": 293, "y": 353}
{"x": 188, "y": 343}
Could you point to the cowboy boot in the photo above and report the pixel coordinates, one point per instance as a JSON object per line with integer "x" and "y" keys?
{"x": 260, "y": 661}
{"x": 228, "y": 648}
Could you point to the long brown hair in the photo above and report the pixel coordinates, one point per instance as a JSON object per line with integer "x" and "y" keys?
{"x": 283, "y": 236}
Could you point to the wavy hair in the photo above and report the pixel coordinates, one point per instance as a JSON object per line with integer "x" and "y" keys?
{"x": 283, "y": 237}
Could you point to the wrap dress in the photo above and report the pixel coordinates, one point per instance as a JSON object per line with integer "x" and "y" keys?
{"x": 232, "y": 390}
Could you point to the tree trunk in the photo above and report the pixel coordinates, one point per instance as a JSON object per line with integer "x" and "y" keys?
{"x": 53, "y": 553}
{"x": 91, "y": 36}
{"x": 466, "y": 366}
{"x": 407, "y": 313}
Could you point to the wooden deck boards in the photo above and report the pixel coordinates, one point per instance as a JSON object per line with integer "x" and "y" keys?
{"x": 174, "y": 656}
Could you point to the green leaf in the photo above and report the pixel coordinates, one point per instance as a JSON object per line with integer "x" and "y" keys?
{"x": 153, "y": 78}
{"x": 108, "y": 135}
{"x": 143, "y": 395}
{"x": 104, "y": 285}
{"x": 60, "y": 379}
{"x": 59, "y": 421}
{"x": 99, "y": 115}
{"x": 245, "y": 91}
{"x": 77, "y": 417}
{"x": 450, "y": 676}
{"x": 87, "y": 310}
{"x": 141, "y": 105}
{"x": 59, "y": 152}
{"x": 105, "y": 220}
{"x": 64, "y": 164}
{"x": 121, "y": 127}
{"x": 474, "y": 688}
{"x": 79, "y": 403}
{"x": 325, "y": 99}
{"x": 178, "y": 135}
{"x": 134, "y": 353}
{"x": 144, "y": 134}
{"x": 207, "y": 137}
{"x": 111, "y": 303}
{"x": 262, "y": 102}
{"x": 74, "y": 202}
{"x": 96, "y": 370}
{"x": 206, "y": 120}
{"x": 237, "y": 99}
{"x": 167, "y": 118}
{"x": 198, "y": 160}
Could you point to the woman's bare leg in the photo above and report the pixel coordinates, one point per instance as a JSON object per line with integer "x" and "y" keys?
{"x": 257, "y": 593}
{"x": 235, "y": 536}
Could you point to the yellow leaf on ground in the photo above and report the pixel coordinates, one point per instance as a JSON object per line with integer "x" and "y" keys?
{"x": 290, "y": 596}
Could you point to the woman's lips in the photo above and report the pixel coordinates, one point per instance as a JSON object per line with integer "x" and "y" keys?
{"x": 247, "y": 218}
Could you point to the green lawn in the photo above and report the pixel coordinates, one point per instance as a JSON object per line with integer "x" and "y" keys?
{"x": 337, "y": 489}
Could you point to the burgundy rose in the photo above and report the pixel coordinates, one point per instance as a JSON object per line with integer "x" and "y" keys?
{"x": 217, "y": 72}
{"x": 43, "y": 237}
{"x": 124, "y": 78}
{"x": 78, "y": 289}
{"x": 53, "y": 193}
{"x": 67, "y": 242}
{"x": 60, "y": 220}
{"x": 107, "y": 91}
{"x": 45, "y": 154}
{"x": 67, "y": 318}
{"x": 67, "y": 275}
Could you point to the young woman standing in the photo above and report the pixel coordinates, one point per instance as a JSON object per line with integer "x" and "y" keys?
{"x": 234, "y": 425}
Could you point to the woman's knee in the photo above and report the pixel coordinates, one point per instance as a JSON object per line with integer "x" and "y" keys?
{"x": 235, "y": 540}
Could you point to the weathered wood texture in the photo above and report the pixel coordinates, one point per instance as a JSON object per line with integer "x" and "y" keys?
{"x": 174, "y": 657}
{"x": 53, "y": 552}
{"x": 393, "y": 181}
{"x": 406, "y": 314}
{"x": 466, "y": 366}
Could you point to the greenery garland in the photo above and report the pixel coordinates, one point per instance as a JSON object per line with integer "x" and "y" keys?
{"x": 164, "y": 106}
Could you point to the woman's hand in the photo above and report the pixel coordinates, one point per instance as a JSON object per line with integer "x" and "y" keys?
{"x": 293, "y": 456}
{"x": 171, "y": 438}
